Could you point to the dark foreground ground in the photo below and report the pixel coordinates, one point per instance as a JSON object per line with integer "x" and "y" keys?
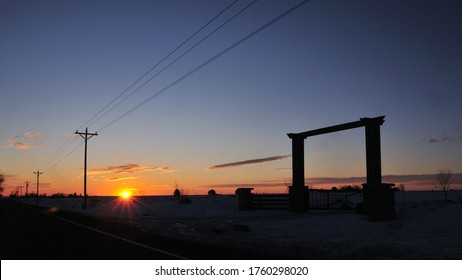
{"x": 39, "y": 233}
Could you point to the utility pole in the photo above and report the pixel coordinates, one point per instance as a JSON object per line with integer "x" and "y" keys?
{"x": 20, "y": 191}
{"x": 85, "y": 135}
{"x": 27, "y": 188}
{"x": 38, "y": 180}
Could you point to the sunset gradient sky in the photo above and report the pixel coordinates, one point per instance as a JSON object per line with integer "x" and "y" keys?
{"x": 226, "y": 125}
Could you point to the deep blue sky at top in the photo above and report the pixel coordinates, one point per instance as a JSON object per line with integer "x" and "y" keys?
{"x": 327, "y": 63}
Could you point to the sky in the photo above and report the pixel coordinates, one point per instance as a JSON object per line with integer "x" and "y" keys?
{"x": 216, "y": 114}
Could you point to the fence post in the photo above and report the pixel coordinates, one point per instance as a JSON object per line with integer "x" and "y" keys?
{"x": 245, "y": 198}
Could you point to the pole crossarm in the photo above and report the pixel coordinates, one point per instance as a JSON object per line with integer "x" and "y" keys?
{"x": 362, "y": 122}
{"x": 85, "y": 135}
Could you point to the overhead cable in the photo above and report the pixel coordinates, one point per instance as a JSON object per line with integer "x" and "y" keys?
{"x": 68, "y": 142}
{"x": 174, "y": 61}
{"x": 158, "y": 93}
{"x": 156, "y": 65}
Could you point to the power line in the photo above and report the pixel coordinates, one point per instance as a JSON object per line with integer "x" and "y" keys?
{"x": 155, "y": 66}
{"x": 68, "y": 142}
{"x": 250, "y": 35}
{"x": 59, "y": 151}
{"x": 66, "y": 156}
{"x": 174, "y": 61}
{"x": 179, "y": 79}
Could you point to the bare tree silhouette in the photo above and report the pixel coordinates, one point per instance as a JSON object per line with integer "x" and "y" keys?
{"x": 444, "y": 179}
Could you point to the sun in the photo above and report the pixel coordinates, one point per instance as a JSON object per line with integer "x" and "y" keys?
{"x": 126, "y": 195}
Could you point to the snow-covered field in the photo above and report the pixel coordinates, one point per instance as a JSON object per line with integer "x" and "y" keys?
{"x": 427, "y": 227}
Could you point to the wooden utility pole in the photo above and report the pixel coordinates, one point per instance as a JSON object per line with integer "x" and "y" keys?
{"x": 38, "y": 180}
{"x": 27, "y": 188}
{"x": 85, "y": 135}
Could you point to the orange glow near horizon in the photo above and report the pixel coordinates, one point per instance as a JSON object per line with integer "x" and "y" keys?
{"x": 53, "y": 183}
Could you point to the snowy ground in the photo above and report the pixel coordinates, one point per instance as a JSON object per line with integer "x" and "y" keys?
{"x": 427, "y": 227}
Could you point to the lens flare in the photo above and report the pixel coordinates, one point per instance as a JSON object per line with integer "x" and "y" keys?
{"x": 126, "y": 195}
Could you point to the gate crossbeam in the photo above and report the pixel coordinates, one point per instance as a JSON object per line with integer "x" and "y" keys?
{"x": 362, "y": 122}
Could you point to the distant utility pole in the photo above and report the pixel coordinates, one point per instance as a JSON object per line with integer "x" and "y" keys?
{"x": 20, "y": 191}
{"x": 85, "y": 135}
{"x": 38, "y": 180}
{"x": 27, "y": 188}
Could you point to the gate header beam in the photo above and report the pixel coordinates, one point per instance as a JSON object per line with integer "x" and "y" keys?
{"x": 340, "y": 127}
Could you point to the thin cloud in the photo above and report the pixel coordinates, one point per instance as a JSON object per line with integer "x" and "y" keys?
{"x": 440, "y": 140}
{"x": 282, "y": 168}
{"x": 31, "y": 135}
{"x": 128, "y": 168}
{"x": 411, "y": 182}
{"x": 25, "y": 141}
{"x": 21, "y": 146}
{"x": 46, "y": 185}
{"x": 122, "y": 178}
{"x": 249, "y": 185}
{"x": 246, "y": 162}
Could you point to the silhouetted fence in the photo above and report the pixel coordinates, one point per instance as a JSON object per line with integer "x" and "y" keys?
{"x": 319, "y": 199}
{"x": 335, "y": 199}
{"x": 270, "y": 201}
